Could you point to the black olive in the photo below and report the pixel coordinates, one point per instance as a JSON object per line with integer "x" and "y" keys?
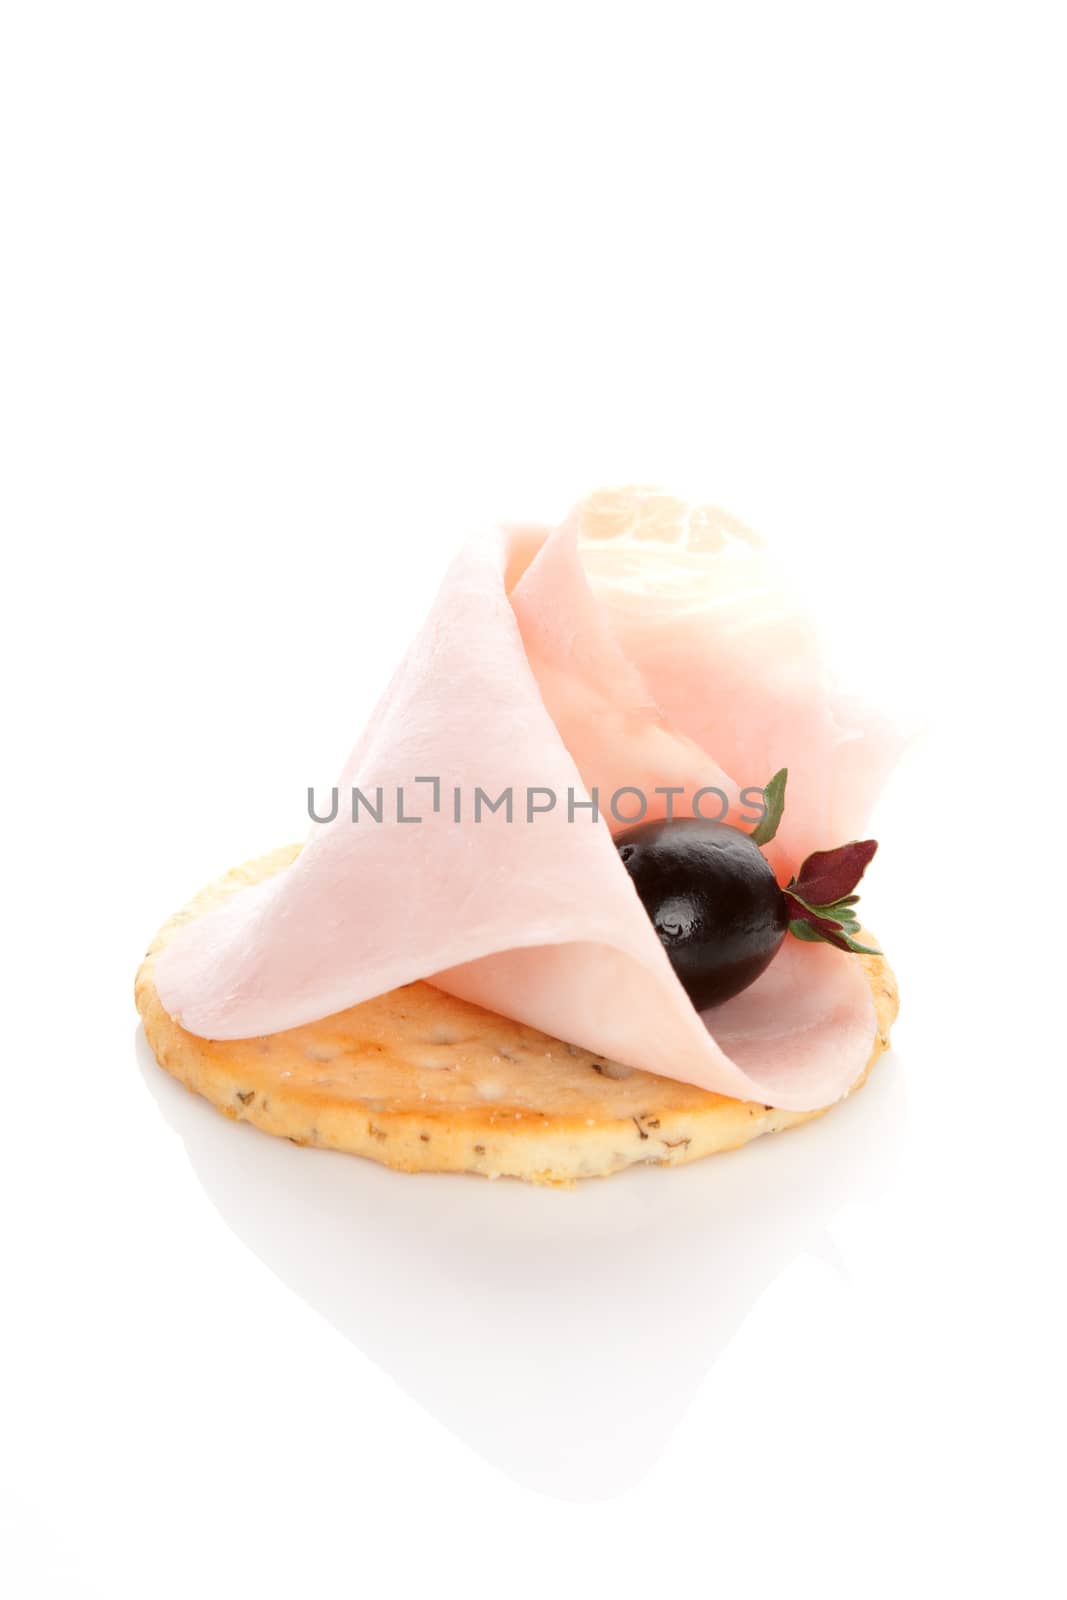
{"x": 713, "y": 900}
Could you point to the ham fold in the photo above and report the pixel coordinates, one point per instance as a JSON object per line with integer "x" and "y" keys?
{"x": 642, "y": 645}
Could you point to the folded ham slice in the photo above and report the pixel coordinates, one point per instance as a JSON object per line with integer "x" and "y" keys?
{"x": 642, "y": 644}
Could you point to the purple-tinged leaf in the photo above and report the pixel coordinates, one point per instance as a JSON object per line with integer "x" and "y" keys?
{"x": 823, "y": 922}
{"x": 829, "y": 875}
{"x": 822, "y": 927}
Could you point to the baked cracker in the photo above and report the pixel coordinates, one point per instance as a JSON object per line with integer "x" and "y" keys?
{"x": 423, "y": 1082}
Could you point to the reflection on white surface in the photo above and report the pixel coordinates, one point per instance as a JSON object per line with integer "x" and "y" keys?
{"x": 560, "y": 1333}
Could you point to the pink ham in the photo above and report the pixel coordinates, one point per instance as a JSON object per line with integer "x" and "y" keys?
{"x": 641, "y": 644}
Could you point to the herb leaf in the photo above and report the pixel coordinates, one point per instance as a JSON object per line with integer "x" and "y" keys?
{"x": 820, "y": 899}
{"x": 774, "y": 805}
{"x": 834, "y": 925}
{"x": 827, "y": 876}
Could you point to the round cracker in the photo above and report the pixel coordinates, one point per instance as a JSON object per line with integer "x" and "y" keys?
{"x": 423, "y": 1082}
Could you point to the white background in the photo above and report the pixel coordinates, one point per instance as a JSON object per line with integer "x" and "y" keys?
{"x": 294, "y": 296}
